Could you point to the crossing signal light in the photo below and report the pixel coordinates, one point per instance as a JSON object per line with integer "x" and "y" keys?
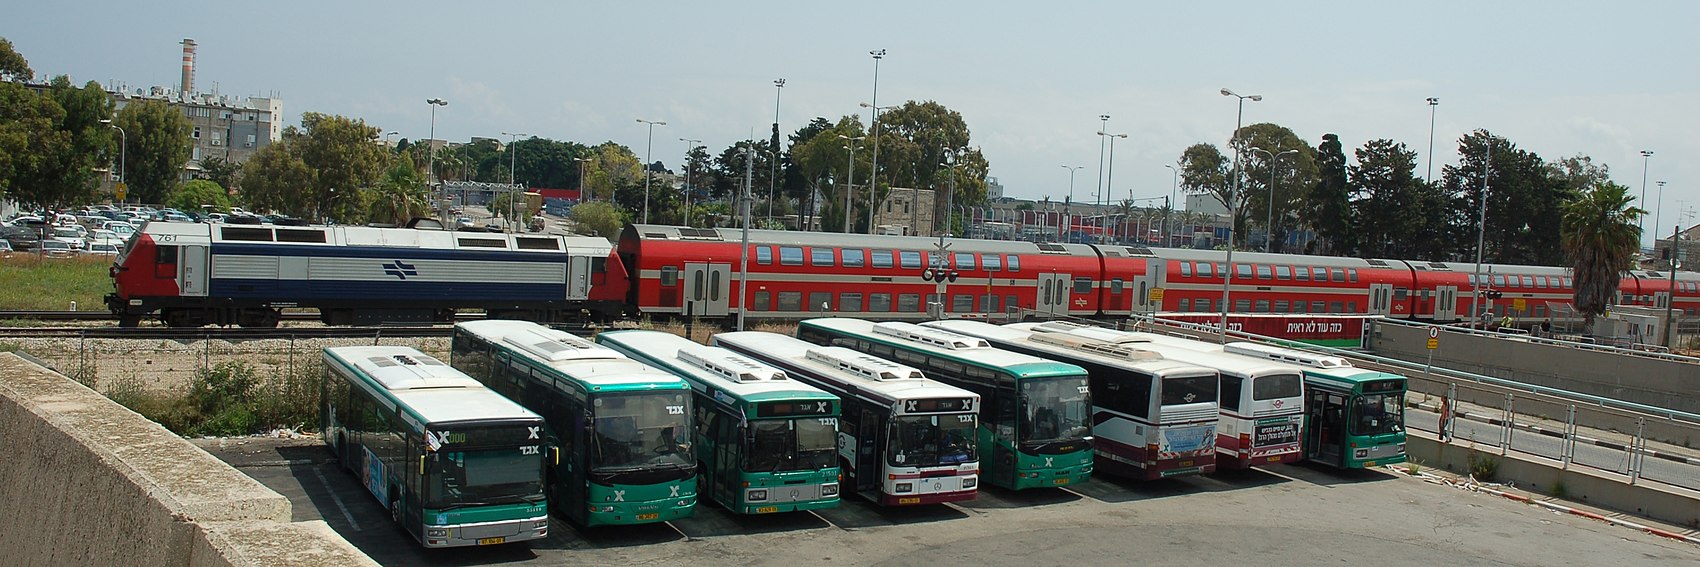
{"x": 1495, "y": 294}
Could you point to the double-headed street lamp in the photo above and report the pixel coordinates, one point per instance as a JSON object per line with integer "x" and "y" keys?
{"x": 1233, "y": 211}
{"x": 649, "y": 145}
{"x": 1433, "y": 104}
{"x": 1269, "y": 240}
{"x": 124, "y": 143}
{"x": 690, "y": 145}
{"x": 584, "y": 192}
{"x": 850, "y": 182}
{"x": 1645, "y": 156}
{"x": 1658, "y": 212}
{"x": 1109, "y": 179}
{"x": 773, "y": 171}
{"x": 1069, "y": 203}
{"x": 431, "y": 152}
{"x": 513, "y": 164}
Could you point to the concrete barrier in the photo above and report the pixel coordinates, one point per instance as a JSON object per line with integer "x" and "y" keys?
{"x": 1660, "y": 502}
{"x": 85, "y": 481}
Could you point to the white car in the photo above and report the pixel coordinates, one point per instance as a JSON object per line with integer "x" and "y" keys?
{"x": 71, "y": 237}
{"x": 102, "y": 249}
{"x": 214, "y": 218}
{"x": 120, "y": 228}
{"x": 56, "y": 249}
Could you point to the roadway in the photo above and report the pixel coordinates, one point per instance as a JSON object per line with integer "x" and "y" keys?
{"x": 1611, "y": 456}
{"x": 1283, "y": 515}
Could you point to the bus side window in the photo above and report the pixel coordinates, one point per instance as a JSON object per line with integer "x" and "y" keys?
{"x": 1230, "y": 396}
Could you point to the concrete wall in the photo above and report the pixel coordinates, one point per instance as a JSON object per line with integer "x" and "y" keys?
{"x": 1644, "y": 380}
{"x": 1580, "y": 484}
{"x": 84, "y": 481}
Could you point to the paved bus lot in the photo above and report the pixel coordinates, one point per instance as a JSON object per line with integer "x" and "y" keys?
{"x": 1288, "y": 515}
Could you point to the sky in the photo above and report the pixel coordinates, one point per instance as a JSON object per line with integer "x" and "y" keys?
{"x": 1558, "y": 78}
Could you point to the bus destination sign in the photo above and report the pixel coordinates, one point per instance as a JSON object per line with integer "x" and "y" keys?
{"x": 792, "y": 409}
{"x": 1378, "y": 386}
{"x": 938, "y": 405}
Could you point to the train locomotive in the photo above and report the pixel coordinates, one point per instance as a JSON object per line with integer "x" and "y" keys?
{"x": 194, "y": 274}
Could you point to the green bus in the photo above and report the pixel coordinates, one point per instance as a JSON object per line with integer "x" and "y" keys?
{"x": 1354, "y": 418}
{"x": 610, "y": 416}
{"x": 455, "y": 463}
{"x": 766, "y": 443}
{"x": 1036, "y": 414}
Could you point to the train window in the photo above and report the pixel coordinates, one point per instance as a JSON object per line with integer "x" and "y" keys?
{"x": 882, "y": 259}
{"x": 965, "y": 261}
{"x": 1541, "y": 282}
{"x": 1301, "y": 273}
{"x": 993, "y": 262}
{"x": 247, "y": 234}
{"x": 164, "y": 256}
{"x": 1336, "y": 307}
{"x": 790, "y": 301}
{"x": 1242, "y": 271}
{"x": 482, "y": 243}
{"x": 1338, "y": 274}
{"x": 764, "y": 301}
{"x": 820, "y": 301}
{"x": 1298, "y": 307}
{"x": 1399, "y": 293}
{"x": 1083, "y": 285}
{"x": 962, "y": 303}
{"x": 1115, "y": 285}
{"x": 1011, "y": 302}
{"x": 849, "y": 302}
{"x": 879, "y": 302}
{"x": 932, "y": 298}
{"x": 524, "y": 242}
{"x": 1540, "y": 310}
{"x": 852, "y": 257}
{"x": 1319, "y": 274}
{"x": 764, "y": 255}
{"x": 1186, "y": 269}
{"x": 1014, "y": 263}
{"x": 318, "y": 236}
{"x": 1283, "y": 272}
{"x": 1280, "y": 306}
{"x": 1185, "y": 304}
{"x": 820, "y": 256}
{"x": 1242, "y": 305}
{"x": 1203, "y": 305}
{"x": 1262, "y": 306}
{"x": 599, "y": 265}
{"x": 1528, "y": 281}
{"x": 790, "y": 255}
{"x": 908, "y": 302}
{"x": 1352, "y": 275}
{"x": 1262, "y": 272}
{"x": 1567, "y": 282}
{"x": 909, "y": 259}
{"x": 669, "y": 276}
{"x": 1318, "y": 307}
{"x": 1499, "y": 281}
{"x": 989, "y": 303}
{"x": 1204, "y": 270}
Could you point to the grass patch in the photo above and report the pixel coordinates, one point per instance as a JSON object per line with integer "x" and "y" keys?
{"x": 231, "y": 398}
{"x": 31, "y": 283}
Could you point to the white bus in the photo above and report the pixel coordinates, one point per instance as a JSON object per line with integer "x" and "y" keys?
{"x": 1153, "y": 418}
{"x": 455, "y": 463}
{"x": 903, "y": 439}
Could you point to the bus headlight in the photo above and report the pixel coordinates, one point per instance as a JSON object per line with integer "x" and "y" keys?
{"x": 970, "y": 482}
{"x": 1361, "y": 453}
{"x": 540, "y": 524}
{"x": 829, "y": 489}
{"x": 905, "y": 487}
{"x": 436, "y": 532}
{"x": 757, "y": 494}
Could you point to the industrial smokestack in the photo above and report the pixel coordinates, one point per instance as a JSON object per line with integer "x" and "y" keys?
{"x": 188, "y": 87}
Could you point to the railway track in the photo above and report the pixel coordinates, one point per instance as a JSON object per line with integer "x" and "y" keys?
{"x": 107, "y": 316}
{"x": 243, "y": 334}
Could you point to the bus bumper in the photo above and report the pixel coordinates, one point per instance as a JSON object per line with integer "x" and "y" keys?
{"x": 645, "y": 512}
{"x": 931, "y": 498}
{"x": 1052, "y": 477}
{"x": 487, "y": 533}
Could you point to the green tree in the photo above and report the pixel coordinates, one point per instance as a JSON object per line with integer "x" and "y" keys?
{"x": 1386, "y": 192}
{"x": 276, "y": 179}
{"x": 344, "y": 159}
{"x": 613, "y": 172}
{"x": 1523, "y": 201}
{"x": 1295, "y": 174}
{"x": 1205, "y": 171}
{"x": 1328, "y": 209}
{"x": 29, "y": 141}
{"x": 599, "y": 218}
{"x": 823, "y": 160}
{"x": 399, "y": 196}
{"x": 13, "y": 67}
{"x": 90, "y": 140}
{"x": 190, "y": 196}
{"x": 221, "y": 171}
{"x": 159, "y": 147}
{"x": 1600, "y": 240}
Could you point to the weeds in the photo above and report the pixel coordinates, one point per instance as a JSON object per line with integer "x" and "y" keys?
{"x": 1483, "y": 468}
{"x": 231, "y": 398}
{"x": 1559, "y": 490}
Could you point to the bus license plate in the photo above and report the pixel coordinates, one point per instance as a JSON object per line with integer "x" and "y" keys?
{"x": 1186, "y": 463}
{"x": 1274, "y": 459}
{"x": 908, "y": 500}
{"x": 767, "y": 509}
{"x": 649, "y": 516}
{"x": 492, "y": 540}
{"x": 1368, "y": 464}
{"x": 1060, "y": 481}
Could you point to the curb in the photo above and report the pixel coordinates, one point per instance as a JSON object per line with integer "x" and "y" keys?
{"x": 1472, "y": 485}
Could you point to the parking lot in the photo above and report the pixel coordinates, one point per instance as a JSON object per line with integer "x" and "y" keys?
{"x": 1284, "y": 516}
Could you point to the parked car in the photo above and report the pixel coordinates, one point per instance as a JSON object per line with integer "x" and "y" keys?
{"x": 101, "y": 249}
{"x": 57, "y": 249}
{"x": 214, "y": 218}
{"x": 71, "y": 237}
{"x": 24, "y": 237}
{"x": 119, "y": 228}
{"x": 5, "y": 248}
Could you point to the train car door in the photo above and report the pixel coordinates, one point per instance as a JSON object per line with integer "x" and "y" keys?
{"x": 192, "y": 270}
{"x": 1053, "y": 294}
{"x": 707, "y": 288}
{"x": 1446, "y": 304}
{"x": 1143, "y": 284}
{"x": 578, "y": 277}
{"x": 1380, "y": 298}
{"x": 1661, "y": 299}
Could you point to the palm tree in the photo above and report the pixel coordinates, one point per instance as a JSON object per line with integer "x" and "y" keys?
{"x": 1600, "y": 238}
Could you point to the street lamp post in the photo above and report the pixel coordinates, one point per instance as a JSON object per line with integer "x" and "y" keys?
{"x": 648, "y": 146}
{"x": 1069, "y": 203}
{"x": 850, "y": 178}
{"x": 1658, "y": 212}
{"x": 584, "y": 192}
{"x": 123, "y": 148}
{"x": 1433, "y": 104}
{"x": 431, "y": 155}
{"x": 1109, "y": 178}
{"x": 1269, "y": 240}
{"x": 952, "y": 156}
{"x": 1645, "y": 156}
{"x": 1103, "y": 126}
{"x": 873, "y": 175}
{"x": 773, "y": 172}
{"x": 1173, "y": 238}
{"x": 1233, "y": 212}
{"x": 690, "y": 145}
{"x": 513, "y": 165}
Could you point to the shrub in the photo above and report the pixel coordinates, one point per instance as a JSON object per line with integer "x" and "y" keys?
{"x": 1483, "y": 468}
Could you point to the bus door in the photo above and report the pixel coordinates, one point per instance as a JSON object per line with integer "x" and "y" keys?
{"x": 707, "y": 288}
{"x": 1053, "y": 295}
{"x": 1446, "y": 304}
{"x": 868, "y": 455}
{"x": 728, "y": 438}
{"x": 1327, "y": 434}
{"x": 192, "y": 270}
{"x": 1002, "y": 436}
{"x": 1380, "y": 298}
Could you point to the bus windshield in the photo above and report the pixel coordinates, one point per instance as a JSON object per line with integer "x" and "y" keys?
{"x": 641, "y": 431}
{"x": 1377, "y": 414}
{"x": 805, "y": 443}
{"x": 932, "y": 440}
{"x": 484, "y": 476}
{"x": 1277, "y": 386}
{"x": 1054, "y": 411}
{"x": 1182, "y": 390}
